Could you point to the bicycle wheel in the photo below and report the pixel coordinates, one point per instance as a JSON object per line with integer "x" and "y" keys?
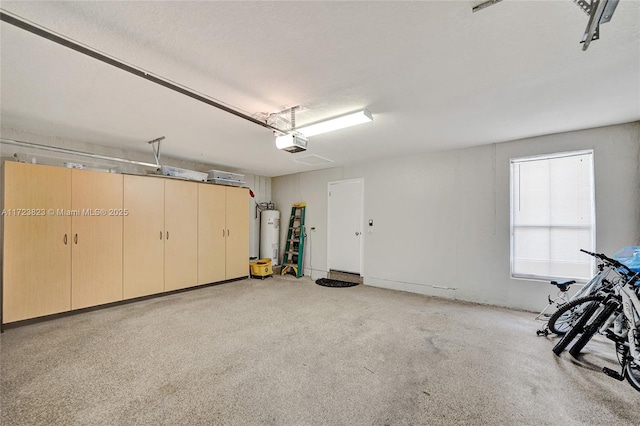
{"x": 592, "y": 328}
{"x": 633, "y": 374}
{"x": 591, "y": 308}
{"x": 566, "y": 316}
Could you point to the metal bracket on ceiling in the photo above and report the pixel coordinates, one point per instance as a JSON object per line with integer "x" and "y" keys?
{"x": 285, "y": 118}
{"x": 484, "y": 5}
{"x": 600, "y": 13}
{"x": 594, "y": 36}
{"x": 584, "y": 5}
{"x": 587, "y": 6}
{"x": 155, "y": 147}
{"x": 609, "y": 8}
{"x": 293, "y": 117}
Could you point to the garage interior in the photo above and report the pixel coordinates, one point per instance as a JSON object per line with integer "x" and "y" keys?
{"x": 440, "y": 329}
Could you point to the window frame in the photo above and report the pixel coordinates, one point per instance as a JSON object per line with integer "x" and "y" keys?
{"x": 550, "y": 156}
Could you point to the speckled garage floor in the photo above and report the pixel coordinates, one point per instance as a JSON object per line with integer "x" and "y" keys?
{"x": 288, "y": 352}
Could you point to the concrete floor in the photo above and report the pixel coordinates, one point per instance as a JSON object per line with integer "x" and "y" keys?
{"x": 288, "y": 352}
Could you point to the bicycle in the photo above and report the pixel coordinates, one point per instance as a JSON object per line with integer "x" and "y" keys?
{"x": 617, "y": 316}
{"x": 569, "y": 309}
{"x": 629, "y": 352}
{"x": 612, "y": 273}
{"x": 561, "y": 299}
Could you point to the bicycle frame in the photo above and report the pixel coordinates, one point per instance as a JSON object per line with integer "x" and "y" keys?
{"x": 562, "y": 297}
{"x": 594, "y": 283}
{"x": 560, "y": 300}
{"x": 631, "y": 309}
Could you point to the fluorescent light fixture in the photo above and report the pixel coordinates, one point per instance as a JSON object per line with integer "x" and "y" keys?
{"x": 340, "y": 122}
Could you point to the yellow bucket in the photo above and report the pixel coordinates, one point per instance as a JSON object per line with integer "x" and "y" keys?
{"x": 261, "y": 268}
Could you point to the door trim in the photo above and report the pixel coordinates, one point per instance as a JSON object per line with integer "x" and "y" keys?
{"x": 361, "y": 180}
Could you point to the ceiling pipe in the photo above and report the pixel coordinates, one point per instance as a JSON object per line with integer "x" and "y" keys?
{"x": 74, "y": 152}
{"x": 44, "y": 33}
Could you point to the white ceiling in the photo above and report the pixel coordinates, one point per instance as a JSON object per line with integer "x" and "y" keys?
{"x": 434, "y": 75}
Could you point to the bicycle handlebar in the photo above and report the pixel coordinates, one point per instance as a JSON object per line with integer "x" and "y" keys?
{"x": 610, "y": 261}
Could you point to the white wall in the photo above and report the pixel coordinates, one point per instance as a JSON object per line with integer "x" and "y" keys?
{"x": 260, "y": 185}
{"x": 442, "y": 219}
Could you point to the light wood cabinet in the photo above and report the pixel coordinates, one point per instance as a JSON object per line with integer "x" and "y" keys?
{"x": 160, "y": 235}
{"x": 237, "y": 244}
{"x": 211, "y": 233}
{"x": 96, "y": 273}
{"x": 181, "y": 234}
{"x": 77, "y": 238}
{"x": 37, "y": 237}
{"x": 143, "y": 236}
{"x": 223, "y": 233}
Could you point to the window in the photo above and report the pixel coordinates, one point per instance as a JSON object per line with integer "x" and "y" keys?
{"x": 552, "y": 216}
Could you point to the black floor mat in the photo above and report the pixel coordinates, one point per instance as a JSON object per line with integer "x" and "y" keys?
{"x": 334, "y": 283}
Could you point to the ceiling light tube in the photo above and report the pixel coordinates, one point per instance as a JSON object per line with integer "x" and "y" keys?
{"x": 336, "y": 123}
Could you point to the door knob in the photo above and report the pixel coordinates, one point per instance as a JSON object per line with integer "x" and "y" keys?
{"x": 357, "y": 233}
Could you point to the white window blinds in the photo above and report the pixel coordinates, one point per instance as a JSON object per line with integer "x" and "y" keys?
{"x": 552, "y": 216}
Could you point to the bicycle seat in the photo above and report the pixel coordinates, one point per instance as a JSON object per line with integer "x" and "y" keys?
{"x": 563, "y": 285}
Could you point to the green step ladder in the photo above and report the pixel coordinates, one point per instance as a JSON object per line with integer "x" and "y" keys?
{"x": 293, "y": 260}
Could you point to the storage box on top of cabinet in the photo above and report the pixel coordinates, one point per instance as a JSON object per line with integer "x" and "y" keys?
{"x": 183, "y": 173}
{"x": 226, "y": 178}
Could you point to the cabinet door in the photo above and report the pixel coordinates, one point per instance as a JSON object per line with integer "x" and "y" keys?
{"x": 211, "y": 233}
{"x": 237, "y": 218}
{"x": 143, "y": 236}
{"x": 37, "y": 241}
{"x": 181, "y": 234}
{"x": 96, "y": 264}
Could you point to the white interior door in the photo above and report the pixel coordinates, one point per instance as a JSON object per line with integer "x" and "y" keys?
{"x": 345, "y": 226}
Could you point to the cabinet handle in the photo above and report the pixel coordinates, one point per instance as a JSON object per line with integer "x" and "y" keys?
{"x": 228, "y": 233}
{"x": 167, "y": 235}
{"x": 223, "y": 233}
{"x": 65, "y": 239}
{"x": 75, "y": 238}
{"x": 160, "y": 234}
